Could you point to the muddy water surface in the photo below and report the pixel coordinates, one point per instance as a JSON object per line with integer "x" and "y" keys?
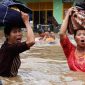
{"x": 45, "y": 65}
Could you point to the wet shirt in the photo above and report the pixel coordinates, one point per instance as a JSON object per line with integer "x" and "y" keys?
{"x": 69, "y": 50}
{"x": 10, "y": 59}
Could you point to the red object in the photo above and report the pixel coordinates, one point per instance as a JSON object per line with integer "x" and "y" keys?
{"x": 69, "y": 50}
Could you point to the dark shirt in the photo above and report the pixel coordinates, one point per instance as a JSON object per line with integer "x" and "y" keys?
{"x": 9, "y": 58}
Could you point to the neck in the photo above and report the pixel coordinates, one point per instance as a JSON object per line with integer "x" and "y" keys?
{"x": 80, "y": 48}
{"x": 80, "y": 51}
{"x": 10, "y": 42}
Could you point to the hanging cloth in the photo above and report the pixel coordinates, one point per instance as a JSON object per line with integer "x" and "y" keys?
{"x": 77, "y": 19}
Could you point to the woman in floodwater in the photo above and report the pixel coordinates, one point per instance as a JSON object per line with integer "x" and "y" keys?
{"x": 9, "y": 51}
{"x": 75, "y": 54}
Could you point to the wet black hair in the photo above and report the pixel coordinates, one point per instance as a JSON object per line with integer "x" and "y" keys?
{"x": 8, "y": 29}
{"x": 75, "y": 31}
{"x": 80, "y": 5}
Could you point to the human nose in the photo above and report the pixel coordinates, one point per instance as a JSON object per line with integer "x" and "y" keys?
{"x": 82, "y": 36}
{"x": 19, "y": 33}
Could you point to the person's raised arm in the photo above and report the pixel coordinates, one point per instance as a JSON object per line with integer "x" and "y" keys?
{"x": 64, "y": 25}
{"x": 30, "y": 35}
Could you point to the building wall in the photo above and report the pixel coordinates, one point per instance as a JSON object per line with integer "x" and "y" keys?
{"x": 40, "y": 6}
{"x": 58, "y": 7}
{"x": 27, "y": 1}
{"x": 39, "y": 0}
{"x": 66, "y": 6}
{"x": 58, "y": 10}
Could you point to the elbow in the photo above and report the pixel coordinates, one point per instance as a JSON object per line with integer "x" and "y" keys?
{"x": 31, "y": 43}
{"x": 62, "y": 36}
{"x": 61, "y": 33}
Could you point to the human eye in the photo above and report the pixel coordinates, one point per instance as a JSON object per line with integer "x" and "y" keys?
{"x": 84, "y": 34}
{"x": 14, "y": 31}
{"x": 78, "y": 34}
{"x": 19, "y": 30}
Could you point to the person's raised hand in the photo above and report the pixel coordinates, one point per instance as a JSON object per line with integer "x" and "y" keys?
{"x": 71, "y": 10}
{"x": 25, "y": 17}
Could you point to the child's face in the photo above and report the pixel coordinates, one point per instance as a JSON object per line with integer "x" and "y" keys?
{"x": 42, "y": 34}
{"x": 15, "y": 36}
{"x": 80, "y": 38}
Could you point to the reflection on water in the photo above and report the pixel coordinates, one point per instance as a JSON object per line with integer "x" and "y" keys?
{"x": 45, "y": 65}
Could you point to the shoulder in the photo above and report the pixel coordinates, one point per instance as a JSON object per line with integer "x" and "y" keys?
{"x": 66, "y": 43}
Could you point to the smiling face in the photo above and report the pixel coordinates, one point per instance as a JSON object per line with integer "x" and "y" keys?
{"x": 15, "y": 36}
{"x": 80, "y": 38}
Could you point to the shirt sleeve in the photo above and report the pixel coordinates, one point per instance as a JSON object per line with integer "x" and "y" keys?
{"x": 18, "y": 47}
{"x": 67, "y": 46}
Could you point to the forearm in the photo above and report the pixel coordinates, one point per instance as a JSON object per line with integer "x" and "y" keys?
{"x": 30, "y": 35}
{"x": 64, "y": 25}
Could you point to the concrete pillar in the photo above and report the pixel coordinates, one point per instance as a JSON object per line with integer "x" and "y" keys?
{"x": 58, "y": 10}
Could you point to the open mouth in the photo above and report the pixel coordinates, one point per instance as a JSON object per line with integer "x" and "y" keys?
{"x": 82, "y": 40}
{"x": 19, "y": 40}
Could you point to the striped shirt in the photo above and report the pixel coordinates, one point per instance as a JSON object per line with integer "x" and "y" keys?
{"x": 10, "y": 59}
{"x": 15, "y": 65}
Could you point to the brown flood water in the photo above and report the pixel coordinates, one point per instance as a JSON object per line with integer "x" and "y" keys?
{"x": 45, "y": 65}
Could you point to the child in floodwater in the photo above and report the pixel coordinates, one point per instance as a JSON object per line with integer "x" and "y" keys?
{"x": 40, "y": 39}
{"x": 75, "y": 54}
{"x": 12, "y": 47}
{"x": 50, "y": 37}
